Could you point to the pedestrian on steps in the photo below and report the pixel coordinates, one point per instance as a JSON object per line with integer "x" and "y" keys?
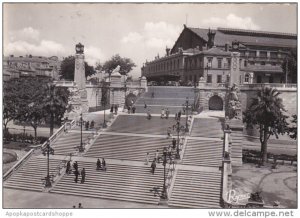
{"x": 153, "y": 166}
{"x": 103, "y": 164}
{"x": 167, "y": 113}
{"x": 98, "y": 164}
{"x": 156, "y": 156}
{"x": 76, "y": 173}
{"x": 83, "y": 175}
{"x": 174, "y": 143}
{"x": 75, "y": 166}
{"x": 68, "y": 167}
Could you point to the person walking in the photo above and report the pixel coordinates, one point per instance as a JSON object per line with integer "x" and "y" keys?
{"x": 116, "y": 109}
{"x": 152, "y": 95}
{"x": 170, "y": 152}
{"x": 179, "y": 115}
{"x": 174, "y": 143}
{"x": 156, "y": 156}
{"x": 133, "y": 109}
{"x": 147, "y": 158}
{"x": 75, "y": 166}
{"x": 112, "y": 109}
{"x": 103, "y": 164}
{"x": 98, "y": 164}
{"x": 76, "y": 173}
{"x": 80, "y": 206}
{"x": 82, "y": 175}
{"x": 92, "y": 124}
{"x": 87, "y": 125}
{"x": 145, "y": 105}
{"x": 153, "y": 166}
{"x": 68, "y": 167}
{"x": 169, "y": 130}
{"x": 162, "y": 113}
{"x": 148, "y": 114}
{"x": 167, "y": 113}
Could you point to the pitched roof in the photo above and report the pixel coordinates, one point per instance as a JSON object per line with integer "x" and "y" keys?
{"x": 261, "y": 38}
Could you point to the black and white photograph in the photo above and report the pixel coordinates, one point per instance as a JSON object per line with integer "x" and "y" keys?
{"x": 149, "y": 105}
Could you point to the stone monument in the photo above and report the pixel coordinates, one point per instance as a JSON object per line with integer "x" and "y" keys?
{"x": 78, "y": 102}
{"x": 233, "y": 111}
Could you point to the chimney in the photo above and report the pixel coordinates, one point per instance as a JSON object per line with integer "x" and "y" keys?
{"x": 167, "y": 51}
{"x": 211, "y": 38}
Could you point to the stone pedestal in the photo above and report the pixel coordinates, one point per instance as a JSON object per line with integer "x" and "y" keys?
{"x": 79, "y": 74}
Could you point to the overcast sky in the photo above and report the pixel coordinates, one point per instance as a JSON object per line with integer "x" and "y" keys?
{"x": 137, "y": 31}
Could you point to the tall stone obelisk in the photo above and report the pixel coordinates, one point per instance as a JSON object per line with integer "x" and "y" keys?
{"x": 79, "y": 77}
{"x": 79, "y": 74}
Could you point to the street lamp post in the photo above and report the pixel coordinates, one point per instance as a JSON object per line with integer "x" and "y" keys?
{"x": 164, "y": 194}
{"x": 178, "y": 128}
{"x": 81, "y": 149}
{"x": 125, "y": 88}
{"x": 186, "y": 107}
{"x": 47, "y": 151}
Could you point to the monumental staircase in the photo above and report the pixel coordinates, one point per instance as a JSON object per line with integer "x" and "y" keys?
{"x": 164, "y": 97}
{"x": 194, "y": 181}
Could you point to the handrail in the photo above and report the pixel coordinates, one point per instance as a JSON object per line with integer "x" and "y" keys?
{"x": 17, "y": 165}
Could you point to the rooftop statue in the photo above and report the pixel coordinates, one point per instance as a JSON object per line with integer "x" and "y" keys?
{"x": 116, "y": 70}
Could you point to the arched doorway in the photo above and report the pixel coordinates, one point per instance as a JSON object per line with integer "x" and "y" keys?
{"x": 215, "y": 103}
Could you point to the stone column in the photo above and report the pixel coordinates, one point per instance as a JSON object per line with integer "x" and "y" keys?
{"x": 79, "y": 74}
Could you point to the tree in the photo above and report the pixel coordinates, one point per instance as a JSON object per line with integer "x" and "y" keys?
{"x": 10, "y": 102}
{"x": 55, "y": 103}
{"x": 266, "y": 111}
{"x": 126, "y": 65}
{"x": 29, "y": 99}
{"x": 293, "y": 128}
{"x": 290, "y": 64}
{"x": 68, "y": 68}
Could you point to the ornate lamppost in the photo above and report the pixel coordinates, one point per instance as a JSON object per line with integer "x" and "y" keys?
{"x": 178, "y": 128}
{"x": 186, "y": 108}
{"x": 81, "y": 148}
{"x": 164, "y": 194}
{"x": 47, "y": 151}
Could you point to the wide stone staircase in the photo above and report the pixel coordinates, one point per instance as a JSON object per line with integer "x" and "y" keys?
{"x": 196, "y": 189}
{"x": 141, "y": 125}
{"x": 165, "y": 97}
{"x": 203, "y": 153}
{"x": 126, "y": 147}
{"x": 207, "y": 127}
{"x": 29, "y": 176}
{"x": 68, "y": 142}
{"x": 119, "y": 182}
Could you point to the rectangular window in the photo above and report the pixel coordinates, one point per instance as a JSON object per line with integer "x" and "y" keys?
{"x": 258, "y": 79}
{"x": 229, "y": 62}
{"x": 271, "y": 79}
{"x": 209, "y": 63}
{"x": 219, "y": 79}
{"x": 245, "y": 63}
{"x": 209, "y": 79}
{"x": 219, "y": 63}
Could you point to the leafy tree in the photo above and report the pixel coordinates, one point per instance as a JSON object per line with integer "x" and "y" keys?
{"x": 68, "y": 68}
{"x": 126, "y": 64}
{"x": 293, "y": 129}
{"x": 55, "y": 103}
{"x": 266, "y": 111}
{"x": 30, "y": 97}
{"x": 290, "y": 63}
{"x": 10, "y": 102}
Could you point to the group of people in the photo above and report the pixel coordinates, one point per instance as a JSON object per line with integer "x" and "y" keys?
{"x": 114, "y": 108}
{"x": 157, "y": 158}
{"x": 76, "y": 171}
{"x": 89, "y": 126}
{"x": 79, "y": 206}
{"x": 131, "y": 109}
{"x": 178, "y": 116}
{"x": 101, "y": 166}
{"x": 164, "y": 113}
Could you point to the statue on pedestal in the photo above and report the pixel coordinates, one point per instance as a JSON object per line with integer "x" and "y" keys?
{"x": 234, "y": 104}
